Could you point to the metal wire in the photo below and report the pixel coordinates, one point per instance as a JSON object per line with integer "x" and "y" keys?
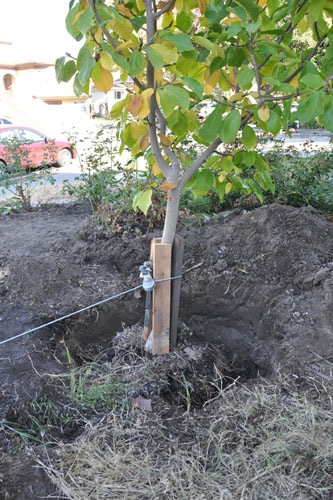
{"x": 71, "y": 314}
{"x": 121, "y": 294}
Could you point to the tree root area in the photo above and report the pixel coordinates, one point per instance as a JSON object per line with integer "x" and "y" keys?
{"x": 256, "y": 301}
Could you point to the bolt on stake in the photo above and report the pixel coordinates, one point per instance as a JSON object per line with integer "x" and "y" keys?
{"x": 148, "y": 285}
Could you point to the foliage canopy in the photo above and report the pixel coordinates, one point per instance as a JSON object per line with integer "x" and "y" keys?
{"x": 207, "y": 71}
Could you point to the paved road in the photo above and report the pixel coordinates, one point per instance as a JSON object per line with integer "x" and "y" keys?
{"x": 317, "y": 138}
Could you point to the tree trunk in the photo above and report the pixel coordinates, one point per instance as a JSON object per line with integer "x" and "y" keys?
{"x": 171, "y": 217}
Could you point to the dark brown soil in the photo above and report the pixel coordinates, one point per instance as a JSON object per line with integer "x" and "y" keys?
{"x": 257, "y": 287}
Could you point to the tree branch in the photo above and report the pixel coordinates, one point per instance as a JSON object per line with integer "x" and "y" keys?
{"x": 198, "y": 162}
{"x": 310, "y": 56}
{"x": 110, "y": 38}
{"x": 164, "y": 9}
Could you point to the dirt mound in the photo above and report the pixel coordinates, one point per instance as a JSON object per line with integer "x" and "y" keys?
{"x": 256, "y": 288}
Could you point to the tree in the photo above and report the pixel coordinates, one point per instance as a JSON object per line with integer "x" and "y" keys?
{"x": 237, "y": 56}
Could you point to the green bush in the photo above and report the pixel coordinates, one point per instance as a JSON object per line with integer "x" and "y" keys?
{"x": 302, "y": 180}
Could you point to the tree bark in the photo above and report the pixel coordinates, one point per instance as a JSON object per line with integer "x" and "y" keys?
{"x": 171, "y": 217}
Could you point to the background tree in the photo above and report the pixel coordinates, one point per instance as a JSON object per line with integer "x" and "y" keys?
{"x": 237, "y": 56}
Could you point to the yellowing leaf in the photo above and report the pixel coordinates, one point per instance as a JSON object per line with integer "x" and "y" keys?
{"x": 144, "y": 109}
{"x": 211, "y": 81}
{"x": 159, "y": 77}
{"x": 124, "y": 28}
{"x": 106, "y": 60}
{"x": 179, "y": 5}
{"x": 105, "y": 81}
{"x": 264, "y": 113}
{"x": 231, "y": 19}
{"x": 232, "y": 78}
{"x": 155, "y": 169}
{"x": 130, "y": 44}
{"x": 167, "y": 51}
{"x": 202, "y": 5}
{"x": 123, "y": 10}
{"x": 228, "y": 187}
{"x": 222, "y": 177}
{"x": 98, "y": 34}
{"x": 141, "y": 5}
{"x": 167, "y": 186}
{"x": 165, "y": 140}
{"x": 167, "y": 20}
{"x": 262, "y": 3}
{"x": 294, "y": 81}
{"x": 134, "y": 104}
{"x": 137, "y": 130}
{"x": 144, "y": 143}
{"x": 237, "y": 96}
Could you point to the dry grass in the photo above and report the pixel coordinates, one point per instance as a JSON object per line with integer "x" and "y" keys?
{"x": 260, "y": 441}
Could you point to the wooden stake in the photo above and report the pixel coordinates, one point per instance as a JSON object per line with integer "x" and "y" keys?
{"x": 161, "y": 260}
{"x": 176, "y": 270}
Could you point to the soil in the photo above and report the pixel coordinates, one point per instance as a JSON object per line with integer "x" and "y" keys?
{"x": 257, "y": 287}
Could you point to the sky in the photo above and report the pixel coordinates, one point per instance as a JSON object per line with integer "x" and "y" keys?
{"x": 36, "y": 27}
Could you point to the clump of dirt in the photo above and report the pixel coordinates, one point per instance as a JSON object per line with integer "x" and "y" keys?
{"x": 256, "y": 299}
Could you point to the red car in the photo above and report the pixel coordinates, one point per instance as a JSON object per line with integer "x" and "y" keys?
{"x": 28, "y": 148}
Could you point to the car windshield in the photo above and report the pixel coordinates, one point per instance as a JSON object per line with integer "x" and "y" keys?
{"x": 7, "y": 135}
{"x": 29, "y": 136}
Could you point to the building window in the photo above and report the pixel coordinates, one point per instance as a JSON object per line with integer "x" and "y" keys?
{"x": 118, "y": 94}
{"x": 8, "y": 81}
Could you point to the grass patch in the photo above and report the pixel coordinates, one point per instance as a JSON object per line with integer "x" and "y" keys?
{"x": 256, "y": 440}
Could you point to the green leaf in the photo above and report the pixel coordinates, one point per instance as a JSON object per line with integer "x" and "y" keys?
{"x": 236, "y": 56}
{"x": 249, "y": 138}
{"x": 245, "y": 77}
{"x": 274, "y": 123}
{"x": 118, "y": 59}
{"x": 316, "y": 9}
{"x": 84, "y": 20}
{"x": 136, "y": 63}
{"x": 59, "y": 68}
{"x": 256, "y": 189}
{"x": 203, "y": 182}
{"x": 68, "y": 70}
{"x": 178, "y": 123}
{"x": 172, "y": 96}
{"x": 215, "y": 12}
{"x": 251, "y": 8}
{"x": 248, "y": 158}
{"x": 156, "y": 60}
{"x": 184, "y": 22}
{"x": 194, "y": 85}
{"x": 280, "y": 13}
{"x": 260, "y": 164}
{"x": 216, "y": 64}
{"x": 233, "y": 31}
{"x": 230, "y": 126}
{"x": 227, "y": 165}
{"x": 210, "y": 129}
{"x": 77, "y": 86}
{"x": 118, "y": 107}
{"x": 71, "y": 24}
{"x": 180, "y": 40}
{"x": 85, "y": 63}
{"x": 311, "y": 107}
{"x": 264, "y": 180}
{"x": 314, "y": 82}
{"x": 328, "y": 115}
{"x": 273, "y": 5}
{"x": 207, "y": 44}
{"x": 142, "y": 200}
